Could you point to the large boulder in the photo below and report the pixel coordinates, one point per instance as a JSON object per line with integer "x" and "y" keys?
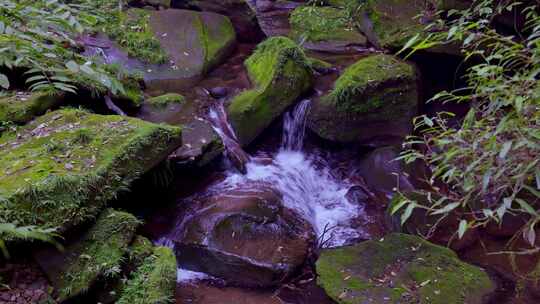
{"x": 280, "y": 73}
{"x": 154, "y": 282}
{"x": 392, "y": 23}
{"x": 96, "y": 256}
{"x": 61, "y": 169}
{"x": 273, "y": 16}
{"x": 246, "y": 237}
{"x": 326, "y": 29}
{"x": 400, "y": 269}
{"x": 373, "y": 102}
{"x": 195, "y": 42}
{"x": 21, "y": 107}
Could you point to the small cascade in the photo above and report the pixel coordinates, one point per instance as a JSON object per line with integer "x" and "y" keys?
{"x": 234, "y": 152}
{"x": 309, "y": 189}
{"x": 294, "y": 126}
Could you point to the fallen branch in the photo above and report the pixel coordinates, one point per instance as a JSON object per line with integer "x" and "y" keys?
{"x": 110, "y": 104}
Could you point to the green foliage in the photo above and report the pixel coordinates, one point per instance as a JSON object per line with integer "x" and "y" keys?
{"x": 129, "y": 29}
{"x": 490, "y": 161}
{"x": 154, "y": 281}
{"x": 39, "y": 38}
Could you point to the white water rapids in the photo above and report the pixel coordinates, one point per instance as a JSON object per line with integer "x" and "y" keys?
{"x": 308, "y": 189}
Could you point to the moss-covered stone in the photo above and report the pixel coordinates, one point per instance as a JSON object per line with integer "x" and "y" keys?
{"x": 154, "y": 282}
{"x": 195, "y": 42}
{"x": 394, "y": 22}
{"x": 139, "y": 249}
{"x": 400, "y": 269}
{"x": 164, "y": 100}
{"x": 325, "y": 28}
{"x": 280, "y": 73}
{"x": 373, "y": 102}
{"x": 97, "y": 255}
{"x": 131, "y": 30}
{"x": 21, "y": 107}
{"x": 62, "y": 168}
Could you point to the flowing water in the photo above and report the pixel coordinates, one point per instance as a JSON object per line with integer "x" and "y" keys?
{"x": 305, "y": 182}
{"x": 303, "y": 178}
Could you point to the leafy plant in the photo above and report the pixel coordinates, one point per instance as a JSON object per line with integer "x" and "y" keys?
{"x": 489, "y": 163}
{"x": 39, "y": 37}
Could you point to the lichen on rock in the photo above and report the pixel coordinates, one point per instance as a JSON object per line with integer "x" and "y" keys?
{"x": 280, "y": 73}
{"x": 400, "y": 268}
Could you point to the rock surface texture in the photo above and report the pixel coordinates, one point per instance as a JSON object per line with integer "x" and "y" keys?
{"x": 400, "y": 269}
{"x": 246, "y": 237}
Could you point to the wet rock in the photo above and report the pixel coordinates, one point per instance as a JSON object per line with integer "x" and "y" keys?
{"x": 152, "y": 3}
{"x": 154, "y": 281}
{"x": 218, "y": 92}
{"x": 195, "y": 43}
{"x": 383, "y": 172}
{"x": 372, "y": 103}
{"x": 98, "y": 254}
{"x": 280, "y": 73}
{"x": 105, "y": 153}
{"x": 200, "y": 143}
{"x": 439, "y": 229}
{"x": 244, "y": 21}
{"x": 21, "y": 107}
{"x": 326, "y": 29}
{"x": 246, "y": 237}
{"x": 400, "y": 269}
{"x": 273, "y": 16}
{"x": 202, "y": 293}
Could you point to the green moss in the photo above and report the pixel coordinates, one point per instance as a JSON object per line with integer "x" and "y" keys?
{"x": 62, "y": 168}
{"x": 395, "y": 21}
{"x": 132, "y": 32}
{"x": 316, "y": 23}
{"x": 280, "y": 73}
{"x": 400, "y": 269}
{"x": 217, "y": 38}
{"x": 23, "y": 107}
{"x": 154, "y": 281}
{"x": 99, "y": 254}
{"x": 365, "y": 74}
{"x": 318, "y": 64}
{"x": 165, "y": 100}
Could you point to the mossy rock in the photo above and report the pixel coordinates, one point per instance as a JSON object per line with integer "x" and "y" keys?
{"x": 325, "y": 29}
{"x": 98, "y": 255}
{"x": 139, "y": 249}
{"x": 21, "y": 107}
{"x": 394, "y": 22}
{"x": 61, "y": 169}
{"x": 372, "y": 102}
{"x": 154, "y": 282}
{"x": 402, "y": 269}
{"x": 280, "y": 73}
{"x": 195, "y": 43}
{"x": 164, "y": 100}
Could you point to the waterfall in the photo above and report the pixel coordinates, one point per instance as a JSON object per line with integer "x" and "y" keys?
{"x": 294, "y": 126}
{"x": 234, "y": 152}
{"x": 308, "y": 189}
